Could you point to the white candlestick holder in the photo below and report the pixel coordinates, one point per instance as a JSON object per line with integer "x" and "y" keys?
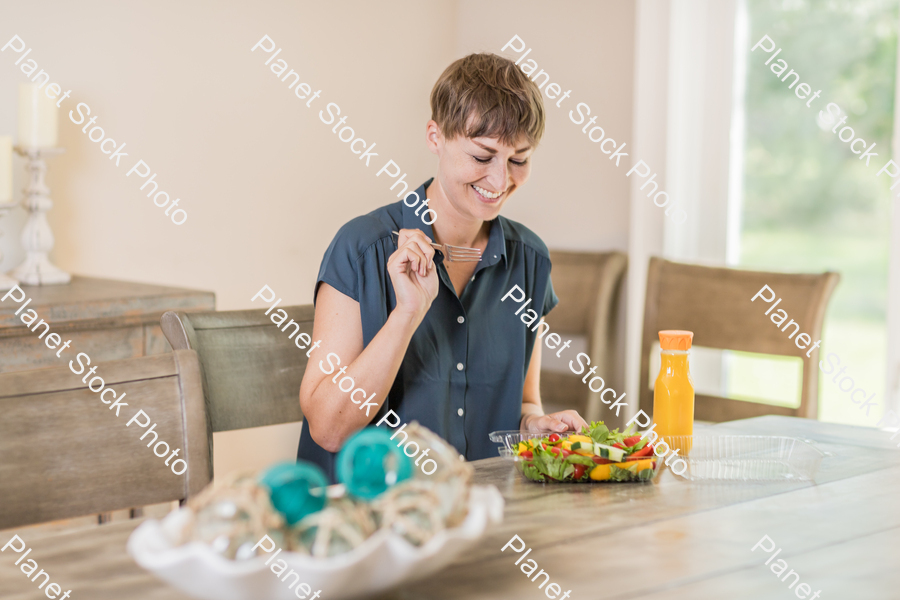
{"x": 6, "y": 282}
{"x": 37, "y": 238}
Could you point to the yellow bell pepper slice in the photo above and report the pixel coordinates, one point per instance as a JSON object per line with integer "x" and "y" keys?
{"x": 600, "y": 473}
{"x": 643, "y": 464}
{"x": 581, "y": 438}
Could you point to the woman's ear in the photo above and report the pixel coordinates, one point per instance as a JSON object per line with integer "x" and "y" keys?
{"x": 433, "y": 137}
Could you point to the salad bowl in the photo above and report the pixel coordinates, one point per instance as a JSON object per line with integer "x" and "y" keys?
{"x": 596, "y": 455}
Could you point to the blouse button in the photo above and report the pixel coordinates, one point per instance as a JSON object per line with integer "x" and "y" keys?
{"x": 460, "y": 319}
{"x": 460, "y": 412}
{"x": 459, "y": 366}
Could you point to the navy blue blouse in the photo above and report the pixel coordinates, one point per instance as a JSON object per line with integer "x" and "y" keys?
{"x": 464, "y": 370}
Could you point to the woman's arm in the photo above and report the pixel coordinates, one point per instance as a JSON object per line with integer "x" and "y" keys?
{"x": 533, "y": 417}
{"x": 328, "y": 411}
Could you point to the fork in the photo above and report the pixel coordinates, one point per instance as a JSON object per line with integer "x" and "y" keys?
{"x": 454, "y": 253}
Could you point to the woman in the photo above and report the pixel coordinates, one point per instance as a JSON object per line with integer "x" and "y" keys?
{"x": 432, "y": 341}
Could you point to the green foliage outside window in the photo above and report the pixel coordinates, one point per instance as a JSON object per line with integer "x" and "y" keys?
{"x": 809, "y": 203}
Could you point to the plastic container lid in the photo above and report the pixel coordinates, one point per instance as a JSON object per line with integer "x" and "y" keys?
{"x": 745, "y": 458}
{"x": 675, "y": 339}
{"x": 370, "y": 463}
{"x": 296, "y": 489}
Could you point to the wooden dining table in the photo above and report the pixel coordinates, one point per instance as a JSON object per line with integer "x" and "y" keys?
{"x": 669, "y": 539}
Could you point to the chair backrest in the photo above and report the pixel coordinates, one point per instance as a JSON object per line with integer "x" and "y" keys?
{"x": 64, "y": 453}
{"x": 251, "y": 368}
{"x": 715, "y": 303}
{"x": 587, "y": 284}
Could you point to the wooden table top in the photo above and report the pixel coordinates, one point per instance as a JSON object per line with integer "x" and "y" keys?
{"x": 668, "y": 540}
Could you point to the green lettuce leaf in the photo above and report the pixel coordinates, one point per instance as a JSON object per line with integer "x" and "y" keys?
{"x": 599, "y": 432}
{"x": 552, "y": 466}
{"x": 617, "y": 474}
{"x": 577, "y": 459}
{"x": 532, "y": 472}
{"x": 558, "y": 468}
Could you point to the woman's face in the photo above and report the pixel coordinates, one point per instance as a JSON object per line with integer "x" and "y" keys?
{"x": 478, "y": 175}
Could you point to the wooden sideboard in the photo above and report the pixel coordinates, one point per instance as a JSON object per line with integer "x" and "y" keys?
{"x": 107, "y": 319}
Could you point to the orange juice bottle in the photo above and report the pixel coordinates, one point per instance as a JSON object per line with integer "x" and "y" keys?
{"x": 673, "y": 396}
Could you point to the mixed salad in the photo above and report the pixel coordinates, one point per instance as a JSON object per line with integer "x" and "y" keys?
{"x": 595, "y": 454}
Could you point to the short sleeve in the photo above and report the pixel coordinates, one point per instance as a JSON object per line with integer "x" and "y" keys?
{"x": 550, "y": 298}
{"x": 340, "y": 268}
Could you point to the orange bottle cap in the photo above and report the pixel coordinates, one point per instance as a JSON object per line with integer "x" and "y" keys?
{"x": 675, "y": 339}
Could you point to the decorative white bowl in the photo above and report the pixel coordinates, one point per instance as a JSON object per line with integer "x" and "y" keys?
{"x": 381, "y": 562}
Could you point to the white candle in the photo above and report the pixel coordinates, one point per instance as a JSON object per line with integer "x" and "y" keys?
{"x": 37, "y": 117}
{"x": 6, "y": 186}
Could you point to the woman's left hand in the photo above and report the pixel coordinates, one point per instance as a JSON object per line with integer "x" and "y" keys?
{"x": 565, "y": 420}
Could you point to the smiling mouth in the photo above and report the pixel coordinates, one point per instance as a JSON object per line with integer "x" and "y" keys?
{"x": 487, "y": 195}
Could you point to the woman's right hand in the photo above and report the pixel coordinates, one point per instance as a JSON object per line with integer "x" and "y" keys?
{"x": 413, "y": 273}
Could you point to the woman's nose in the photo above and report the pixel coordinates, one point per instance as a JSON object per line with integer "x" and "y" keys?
{"x": 498, "y": 177}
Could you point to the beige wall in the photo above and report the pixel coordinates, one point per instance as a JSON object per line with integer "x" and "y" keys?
{"x": 576, "y": 197}
{"x": 265, "y": 183}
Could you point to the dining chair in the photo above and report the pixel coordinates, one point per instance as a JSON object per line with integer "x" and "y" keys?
{"x": 587, "y": 284}
{"x": 250, "y": 367}
{"x": 64, "y": 453}
{"x": 715, "y": 303}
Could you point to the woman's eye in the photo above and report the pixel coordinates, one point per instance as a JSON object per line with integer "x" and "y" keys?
{"x": 518, "y": 163}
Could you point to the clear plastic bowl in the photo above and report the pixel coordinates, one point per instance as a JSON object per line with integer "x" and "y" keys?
{"x": 509, "y": 439}
{"x": 746, "y": 457}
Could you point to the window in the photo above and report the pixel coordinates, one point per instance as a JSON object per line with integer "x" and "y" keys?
{"x": 807, "y": 203}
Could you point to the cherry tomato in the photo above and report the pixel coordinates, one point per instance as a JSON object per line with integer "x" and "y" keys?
{"x": 579, "y": 471}
{"x": 554, "y": 437}
{"x": 600, "y": 461}
{"x": 527, "y": 454}
{"x": 560, "y": 451}
{"x": 632, "y": 440}
{"x": 618, "y": 445}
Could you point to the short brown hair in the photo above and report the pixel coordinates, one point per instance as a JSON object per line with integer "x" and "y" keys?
{"x": 485, "y": 95}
